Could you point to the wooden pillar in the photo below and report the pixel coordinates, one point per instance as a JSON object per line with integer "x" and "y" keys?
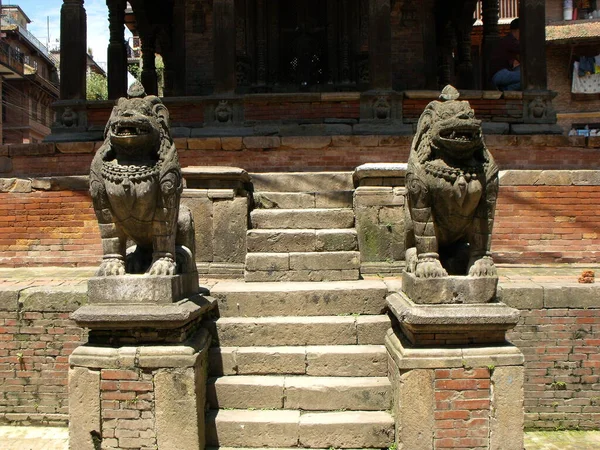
{"x": 224, "y": 45}
{"x": 380, "y": 45}
{"x": 491, "y": 36}
{"x": 117, "y": 50}
{"x": 533, "y": 44}
{"x": 149, "y": 78}
{"x": 73, "y": 51}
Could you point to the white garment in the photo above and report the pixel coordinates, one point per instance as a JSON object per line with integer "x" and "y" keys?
{"x": 588, "y": 84}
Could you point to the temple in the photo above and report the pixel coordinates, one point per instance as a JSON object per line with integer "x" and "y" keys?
{"x": 337, "y": 67}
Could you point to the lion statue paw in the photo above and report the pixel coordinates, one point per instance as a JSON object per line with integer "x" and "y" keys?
{"x": 482, "y": 267}
{"x": 111, "y": 267}
{"x": 163, "y": 266}
{"x": 430, "y": 268}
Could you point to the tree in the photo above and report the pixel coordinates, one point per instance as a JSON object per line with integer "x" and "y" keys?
{"x": 97, "y": 87}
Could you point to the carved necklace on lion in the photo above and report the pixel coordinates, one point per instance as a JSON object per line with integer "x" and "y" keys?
{"x": 116, "y": 173}
{"x": 453, "y": 173}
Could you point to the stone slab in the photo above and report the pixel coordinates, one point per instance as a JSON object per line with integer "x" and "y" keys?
{"x": 246, "y": 392}
{"x": 142, "y": 289}
{"x": 507, "y": 418}
{"x": 415, "y": 403}
{"x": 284, "y": 200}
{"x": 408, "y": 357}
{"x": 571, "y": 295}
{"x": 346, "y": 361}
{"x": 378, "y": 170}
{"x": 302, "y": 181}
{"x": 336, "y": 240}
{"x": 281, "y": 240}
{"x": 337, "y": 393}
{"x": 450, "y": 289}
{"x": 237, "y": 298}
{"x": 371, "y": 330}
{"x": 179, "y": 413}
{"x": 347, "y": 429}
{"x": 302, "y": 218}
{"x": 522, "y": 295}
{"x": 271, "y": 360}
{"x": 84, "y": 408}
{"x": 240, "y": 428}
{"x": 127, "y": 316}
{"x": 482, "y": 315}
{"x": 302, "y": 275}
{"x": 267, "y": 261}
{"x": 324, "y": 261}
{"x": 279, "y": 331}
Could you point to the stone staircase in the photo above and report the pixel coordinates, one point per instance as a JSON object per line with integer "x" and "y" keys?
{"x": 302, "y": 228}
{"x": 299, "y": 364}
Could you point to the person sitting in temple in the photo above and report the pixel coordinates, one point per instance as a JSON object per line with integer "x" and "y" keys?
{"x": 504, "y": 64}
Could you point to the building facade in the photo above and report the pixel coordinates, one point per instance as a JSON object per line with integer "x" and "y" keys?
{"x": 29, "y": 81}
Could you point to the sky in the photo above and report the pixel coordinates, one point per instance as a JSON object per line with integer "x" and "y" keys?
{"x": 97, "y": 23}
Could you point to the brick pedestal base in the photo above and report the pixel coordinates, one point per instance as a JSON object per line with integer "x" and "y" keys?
{"x": 460, "y": 397}
{"x": 142, "y": 396}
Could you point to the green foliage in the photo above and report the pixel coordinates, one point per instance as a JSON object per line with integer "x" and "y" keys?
{"x": 97, "y": 87}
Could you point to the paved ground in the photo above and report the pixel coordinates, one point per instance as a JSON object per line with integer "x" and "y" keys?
{"x": 59, "y": 276}
{"x": 42, "y": 438}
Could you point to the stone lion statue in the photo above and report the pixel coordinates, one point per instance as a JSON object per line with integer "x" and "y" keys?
{"x": 136, "y": 185}
{"x": 452, "y": 186}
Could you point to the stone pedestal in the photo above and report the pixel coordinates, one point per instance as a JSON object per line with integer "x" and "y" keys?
{"x": 459, "y": 397}
{"x": 140, "y": 382}
{"x": 139, "y": 396}
{"x": 456, "y": 382}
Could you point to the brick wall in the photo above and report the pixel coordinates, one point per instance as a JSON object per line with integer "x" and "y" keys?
{"x": 462, "y": 412}
{"x": 34, "y": 352}
{"x": 303, "y": 153}
{"x": 53, "y": 228}
{"x": 558, "y": 334}
{"x": 541, "y": 217}
{"x": 126, "y": 406}
{"x": 510, "y": 110}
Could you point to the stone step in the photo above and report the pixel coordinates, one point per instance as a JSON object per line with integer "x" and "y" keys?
{"x": 317, "y": 218}
{"x": 303, "y": 261}
{"x": 298, "y": 330}
{"x": 267, "y": 276}
{"x": 315, "y": 360}
{"x": 348, "y": 429}
{"x": 303, "y": 200}
{"x": 302, "y": 181}
{"x": 299, "y": 392}
{"x": 237, "y": 298}
{"x": 302, "y": 240}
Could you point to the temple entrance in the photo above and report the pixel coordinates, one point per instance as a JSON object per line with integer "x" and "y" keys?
{"x": 313, "y": 45}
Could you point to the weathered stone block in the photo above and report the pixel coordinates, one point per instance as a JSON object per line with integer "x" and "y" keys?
{"x": 204, "y": 143}
{"x": 271, "y": 360}
{"x": 281, "y": 241}
{"x": 449, "y": 289}
{"x": 53, "y": 298}
{"x": 267, "y": 261}
{"x": 325, "y": 260}
{"x": 335, "y": 240}
{"x": 308, "y": 142}
{"x": 506, "y": 419}
{"x": 261, "y": 142}
{"x": 202, "y": 211}
{"x": 232, "y": 143}
{"x": 337, "y": 393}
{"x": 179, "y": 408}
{"x": 373, "y": 429}
{"x": 75, "y": 147}
{"x": 346, "y": 361}
{"x": 85, "y": 429}
{"x": 230, "y": 224}
{"x": 246, "y": 391}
